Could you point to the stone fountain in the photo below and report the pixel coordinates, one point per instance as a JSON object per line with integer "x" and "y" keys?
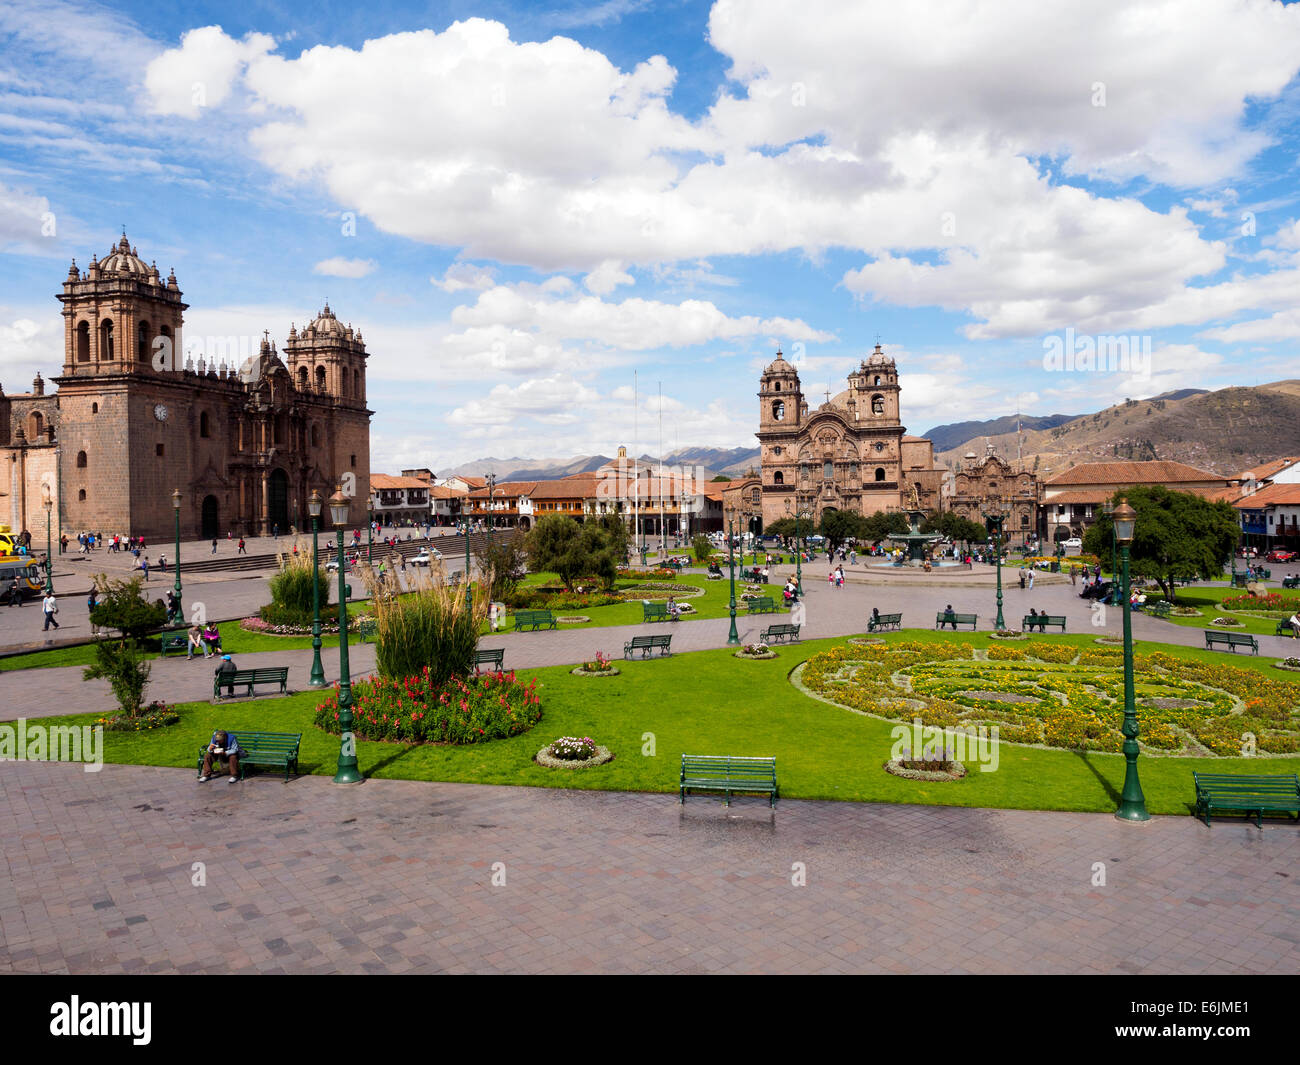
{"x": 915, "y": 541}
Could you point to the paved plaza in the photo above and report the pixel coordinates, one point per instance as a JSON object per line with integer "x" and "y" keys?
{"x": 397, "y": 876}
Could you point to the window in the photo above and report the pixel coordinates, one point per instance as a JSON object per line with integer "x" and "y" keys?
{"x": 778, "y": 410}
{"x": 778, "y": 477}
{"x": 106, "y": 339}
{"x": 205, "y": 428}
{"x": 877, "y": 404}
{"x": 158, "y": 450}
{"x": 302, "y": 379}
{"x": 776, "y": 387}
{"x": 94, "y": 408}
{"x": 776, "y": 450}
{"x": 35, "y": 424}
{"x": 880, "y": 473}
{"x": 877, "y": 378}
{"x": 853, "y": 469}
{"x": 83, "y": 342}
{"x": 81, "y": 460}
{"x": 828, "y": 470}
{"x": 142, "y": 342}
{"x": 81, "y": 495}
{"x": 1024, "y": 521}
{"x": 320, "y": 378}
{"x": 354, "y": 461}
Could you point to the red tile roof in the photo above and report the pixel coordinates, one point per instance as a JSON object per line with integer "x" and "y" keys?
{"x": 1286, "y": 495}
{"x": 1127, "y": 473}
{"x": 383, "y": 480}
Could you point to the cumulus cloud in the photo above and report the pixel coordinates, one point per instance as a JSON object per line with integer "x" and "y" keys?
{"x": 202, "y": 71}
{"x": 341, "y": 267}
{"x": 459, "y": 277}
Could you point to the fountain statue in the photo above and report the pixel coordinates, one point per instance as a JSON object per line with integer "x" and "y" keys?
{"x": 915, "y": 541}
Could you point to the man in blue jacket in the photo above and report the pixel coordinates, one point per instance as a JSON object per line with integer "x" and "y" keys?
{"x": 224, "y": 746}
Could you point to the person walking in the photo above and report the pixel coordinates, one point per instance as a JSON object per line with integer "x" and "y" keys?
{"x": 15, "y": 593}
{"x": 243, "y": 547}
{"x": 50, "y": 607}
{"x": 1031, "y": 580}
{"x": 144, "y": 565}
{"x": 214, "y": 545}
{"x": 92, "y": 601}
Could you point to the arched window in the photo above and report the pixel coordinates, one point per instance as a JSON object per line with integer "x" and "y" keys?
{"x": 778, "y": 410}
{"x": 205, "y": 428}
{"x": 142, "y": 342}
{"x": 83, "y": 342}
{"x": 94, "y": 408}
{"x": 880, "y": 473}
{"x": 320, "y": 378}
{"x": 81, "y": 460}
{"x": 81, "y": 495}
{"x": 106, "y": 339}
{"x": 35, "y": 424}
{"x": 877, "y": 379}
{"x": 776, "y": 386}
{"x": 877, "y": 404}
{"x": 828, "y": 470}
{"x": 343, "y": 377}
{"x": 778, "y": 477}
{"x": 315, "y": 436}
{"x": 916, "y": 485}
{"x": 303, "y": 383}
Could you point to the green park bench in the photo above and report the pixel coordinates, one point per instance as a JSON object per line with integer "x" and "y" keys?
{"x": 533, "y": 620}
{"x": 1239, "y": 579}
{"x": 367, "y": 628}
{"x": 1284, "y": 628}
{"x": 173, "y": 641}
{"x": 764, "y": 604}
{"x": 654, "y": 611}
{"x": 1159, "y": 609}
{"x": 944, "y": 618}
{"x": 1040, "y": 622}
{"x": 884, "y": 621}
{"x": 1291, "y": 582}
{"x": 494, "y": 657}
{"x": 264, "y": 748}
{"x": 730, "y": 775}
{"x": 1278, "y": 793}
{"x": 1231, "y": 640}
{"x": 779, "y": 633}
{"x": 250, "y": 678}
{"x": 647, "y": 644}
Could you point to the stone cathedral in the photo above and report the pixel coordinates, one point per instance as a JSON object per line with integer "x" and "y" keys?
{"x": 135, "y": 419}
{"x": 850, "y": 453}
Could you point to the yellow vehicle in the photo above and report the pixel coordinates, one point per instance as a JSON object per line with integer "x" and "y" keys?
{"x": 30, "y": 574}
{"x": 8, "y": 542}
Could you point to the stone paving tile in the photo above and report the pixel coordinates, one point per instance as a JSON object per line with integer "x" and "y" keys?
{"x": 394, "y": 876}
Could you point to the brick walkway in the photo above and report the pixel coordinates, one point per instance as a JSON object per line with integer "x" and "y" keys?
{"x": 395, "y": 876}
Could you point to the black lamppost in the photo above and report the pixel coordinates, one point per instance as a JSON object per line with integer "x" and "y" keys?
{"x": 1132, "y": 806}
{"x": 49, "y": 559}
{"x": 176, "y": 589}
{"x": 995, "y": 516}
{"x": 348, "y": 773}
{"x": 732, "y": 635}
{"x": 317, "y": 670}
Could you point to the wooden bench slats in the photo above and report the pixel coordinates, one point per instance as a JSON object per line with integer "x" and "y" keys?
{"x": 534, "y": 620}
{"x": 764, "y": 604}
{"x": 780, "y": 633}
{"x": 647, "y": 644}
{"x": 1041, "y": 621}
{"x": 176, "y": 641}
{"x": 1248, "y": 794}
{"x": 943, "y": 618}
{"x": 494, "y": 657}
{"x": 728, "y": 774}
{"x": 1231, "y": 640}
{"x": 251, "y": 677}
{"x": 884, "y": 621}
{"x": 264, "y": 748}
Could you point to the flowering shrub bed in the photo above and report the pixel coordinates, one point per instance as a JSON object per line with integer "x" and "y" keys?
{"x": 1062, "y": 696}
{"x": 659, "y": 574}
{"x": 475, "y": 709}
{"x": 534, "y": 599}
{"x": 572, "y": 749}
{"x": 659, "y": 590}
{"x": 156, "y": 715}
{"x": 1272, "y": 603}
{"x": 327, "y": 625}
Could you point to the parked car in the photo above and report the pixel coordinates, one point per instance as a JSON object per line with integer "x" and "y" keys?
{"x": 1072, "y": 542}
{"x": 426, "y": 556}
{"x": 1280, "y": 554}
{"x": 1247, "y": 552}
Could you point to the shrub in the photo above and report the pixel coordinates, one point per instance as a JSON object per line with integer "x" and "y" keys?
{"x": 122, "y": 606}
{"x": 507, "y": 564}
{"x": 419, "y": 709}
{"x": 702, "y": 548}
{"x": 573, "y": 749}
{"x": 538, "y": 599}
{"x": 430, "y": 629}
{"x": 291, "y": 588}
{"x": 119, "y": 663}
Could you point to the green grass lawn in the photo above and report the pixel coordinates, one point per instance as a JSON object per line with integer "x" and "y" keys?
{"x": 705, "y": 703}
{"x": 1208, "y": 601}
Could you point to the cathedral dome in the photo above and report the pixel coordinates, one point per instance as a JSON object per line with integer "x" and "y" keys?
{"x": 326, "y": 324}
{"x": 878, "y": 359}
{"x": 779, "y": 365}
{"x": 122, "y": 260}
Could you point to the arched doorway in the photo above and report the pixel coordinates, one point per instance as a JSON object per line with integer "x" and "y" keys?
{"x": 208, "y": 519}
{"x": 278, "y": 503}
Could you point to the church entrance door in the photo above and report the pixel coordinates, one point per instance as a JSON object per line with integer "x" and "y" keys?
{"x": 209, "y": 517}
{"x": 278, "y": 501}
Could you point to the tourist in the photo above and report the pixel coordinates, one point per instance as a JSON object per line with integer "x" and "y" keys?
{"x": 50, "y": 607}
{"x": 223, "y": 745}
{"x": 1031, "y": 580}
{"x": 949, "y": 617}
{"x": 243, "y": 547}
{"x": 173, "y": 605}
{"x": 214, "y": 545}
{"x": 1022, "y": 580}
{"x": 195, "y": 642}
{"x": 874, "y": 620}
{"x": 212, "y": 639}
{"x": 839, "y": 577}
{"x": 1294, "y": 622}
{"x": 15, "y": 593}
{"x": 674, "y": 611}
{"x": 144, "y": 565}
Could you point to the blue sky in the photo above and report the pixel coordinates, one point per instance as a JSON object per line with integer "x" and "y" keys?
{"x": 521, "y": 205}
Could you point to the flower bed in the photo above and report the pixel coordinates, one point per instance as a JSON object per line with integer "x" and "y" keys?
{"x": 156, "y": 715}
{"x": 572, "y": 619}
{"x": 756, "y": 651}
{"x": 475, "y": 709}
{"x": 655, "y": 590}
{"x": 1227, "y": 623}
{"x": 534, "y": 599}
{"x": 570, "y": 752}
{"x": 918, "y": 769}
{"x": 1058, "y": 695}
{"x": 601, "y": 666}
{"x": 1272, "y": 603}
{"x": 266, "y": 628}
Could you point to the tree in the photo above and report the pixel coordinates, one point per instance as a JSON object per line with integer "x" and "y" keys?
{"x": 702, "y": 547}
{"x": 840, "y": 525}
{"x": 560, "y": 545}
{"x": 506, "y": 563}
{"x": 720, "y": 477}
{"x": 1177, "y": 535}
{"x": 119, "y": 661}
{"x": 881, "y": 525}
{"x": 785, "y": 528}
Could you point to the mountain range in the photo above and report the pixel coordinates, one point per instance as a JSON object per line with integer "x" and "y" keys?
{"x": 1224, "y": 431}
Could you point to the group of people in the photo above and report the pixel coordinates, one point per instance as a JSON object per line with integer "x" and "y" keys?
{"x": 206, "y": 639}
{"x": 836, "y": 577}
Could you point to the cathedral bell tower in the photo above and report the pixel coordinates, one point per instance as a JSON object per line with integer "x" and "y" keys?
{"x": 780, "y": 401}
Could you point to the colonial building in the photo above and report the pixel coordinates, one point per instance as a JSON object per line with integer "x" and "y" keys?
{"x": 134, "y": 420}
{"x": 979, "y": 483}
{"x": 850, "y": 453}
{"x": 399, "y": 499}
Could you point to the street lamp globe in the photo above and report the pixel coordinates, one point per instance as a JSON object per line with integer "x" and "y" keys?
{"x": 340, "y": 507}
{"x": 1125, "y": 518}
{"x": 315, "y": 504}
{"x": 176, "y": 499}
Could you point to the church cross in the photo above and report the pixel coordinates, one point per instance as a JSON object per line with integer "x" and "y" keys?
{"x": 828, "y": 391}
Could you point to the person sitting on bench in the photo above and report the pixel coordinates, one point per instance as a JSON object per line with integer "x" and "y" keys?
{"x": 949, "y": 615}
{"x": 874, "y": 620}
{"x": 212, "y": 639}
{"x": 226, "y": 671}
{"x": 195, "y": 643}
{"x": 1040, "y": 625}
{"x": 1294, "y": 622}
{"x": 674, "y": 611}
{"x": 225, "y": 747}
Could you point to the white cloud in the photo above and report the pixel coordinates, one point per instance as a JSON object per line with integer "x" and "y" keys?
{"x": 30, "y": 340}
{"x": 338, "y": 266}
{"x": 202, "y": 71}
{"x": 22, "y": 215}
{"x": 607, "y": 277}
{"x": 459, "y": 277}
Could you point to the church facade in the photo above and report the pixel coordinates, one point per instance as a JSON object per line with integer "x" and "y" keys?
{"x": 133, "y": 420}
{"x": 979, "y": 485}
{"x": 850, "y": 453}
